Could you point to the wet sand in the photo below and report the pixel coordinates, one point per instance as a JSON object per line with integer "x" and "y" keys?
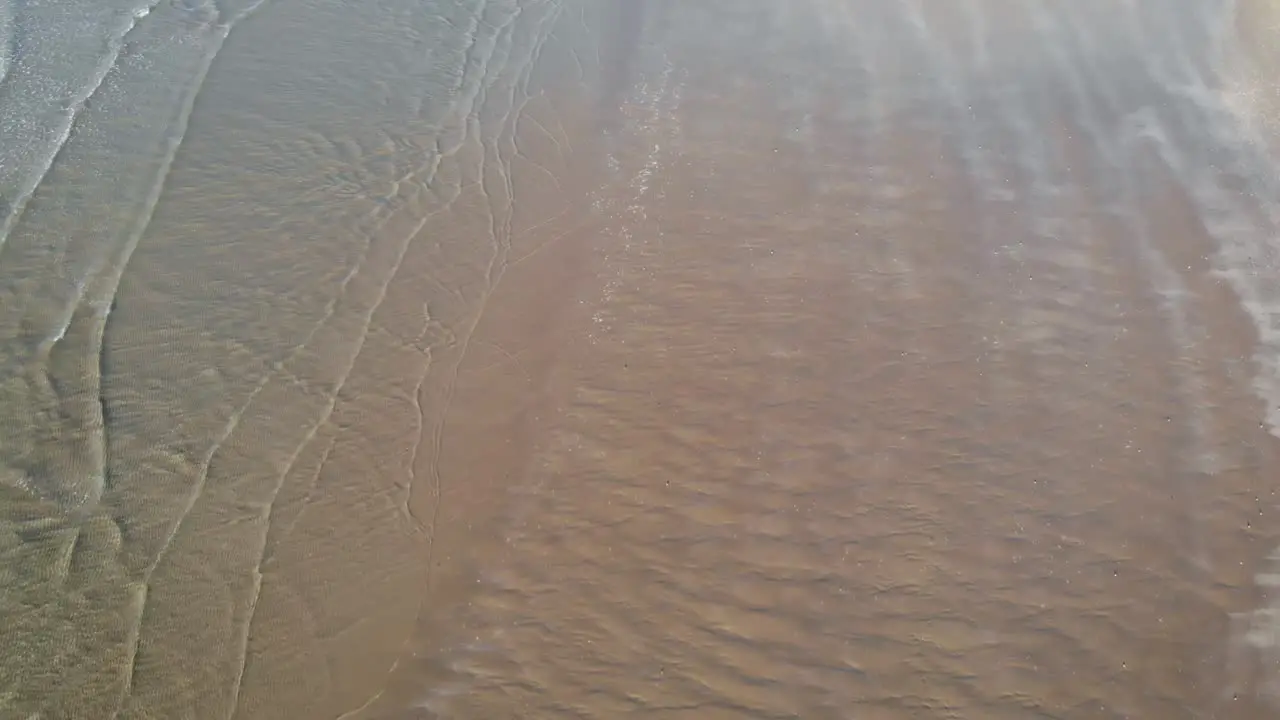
{"x": 913, "y": 415}
{"x": 737, "y": 359}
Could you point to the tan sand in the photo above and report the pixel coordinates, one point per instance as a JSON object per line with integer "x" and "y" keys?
{"x": 844, "y": 433}
{"x": 729, "y": 359}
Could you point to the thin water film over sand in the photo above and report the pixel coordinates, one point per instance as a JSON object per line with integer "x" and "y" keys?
{"x": 570, "y": 358}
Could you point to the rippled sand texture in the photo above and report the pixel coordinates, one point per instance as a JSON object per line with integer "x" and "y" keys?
{"x": 917, "y": 384}
{"x": 237, "y": 293}
{"x": 739, "y": 358}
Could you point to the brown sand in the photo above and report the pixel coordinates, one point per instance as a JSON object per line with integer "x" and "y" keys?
{"x": 839, "y": 436}
{"x": 725, "y": 359}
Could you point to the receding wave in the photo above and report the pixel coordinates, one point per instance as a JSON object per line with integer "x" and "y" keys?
{"x": 119, "y": 466}
{"x": 547, "y": 358}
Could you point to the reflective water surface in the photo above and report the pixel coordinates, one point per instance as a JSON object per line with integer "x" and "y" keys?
{"x": 574, "y": 358}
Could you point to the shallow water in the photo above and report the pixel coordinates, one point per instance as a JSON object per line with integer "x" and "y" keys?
{"x": 504, "y": 358}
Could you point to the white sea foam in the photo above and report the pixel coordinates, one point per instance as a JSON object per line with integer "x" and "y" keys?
{"x": 1243, "y": 115}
